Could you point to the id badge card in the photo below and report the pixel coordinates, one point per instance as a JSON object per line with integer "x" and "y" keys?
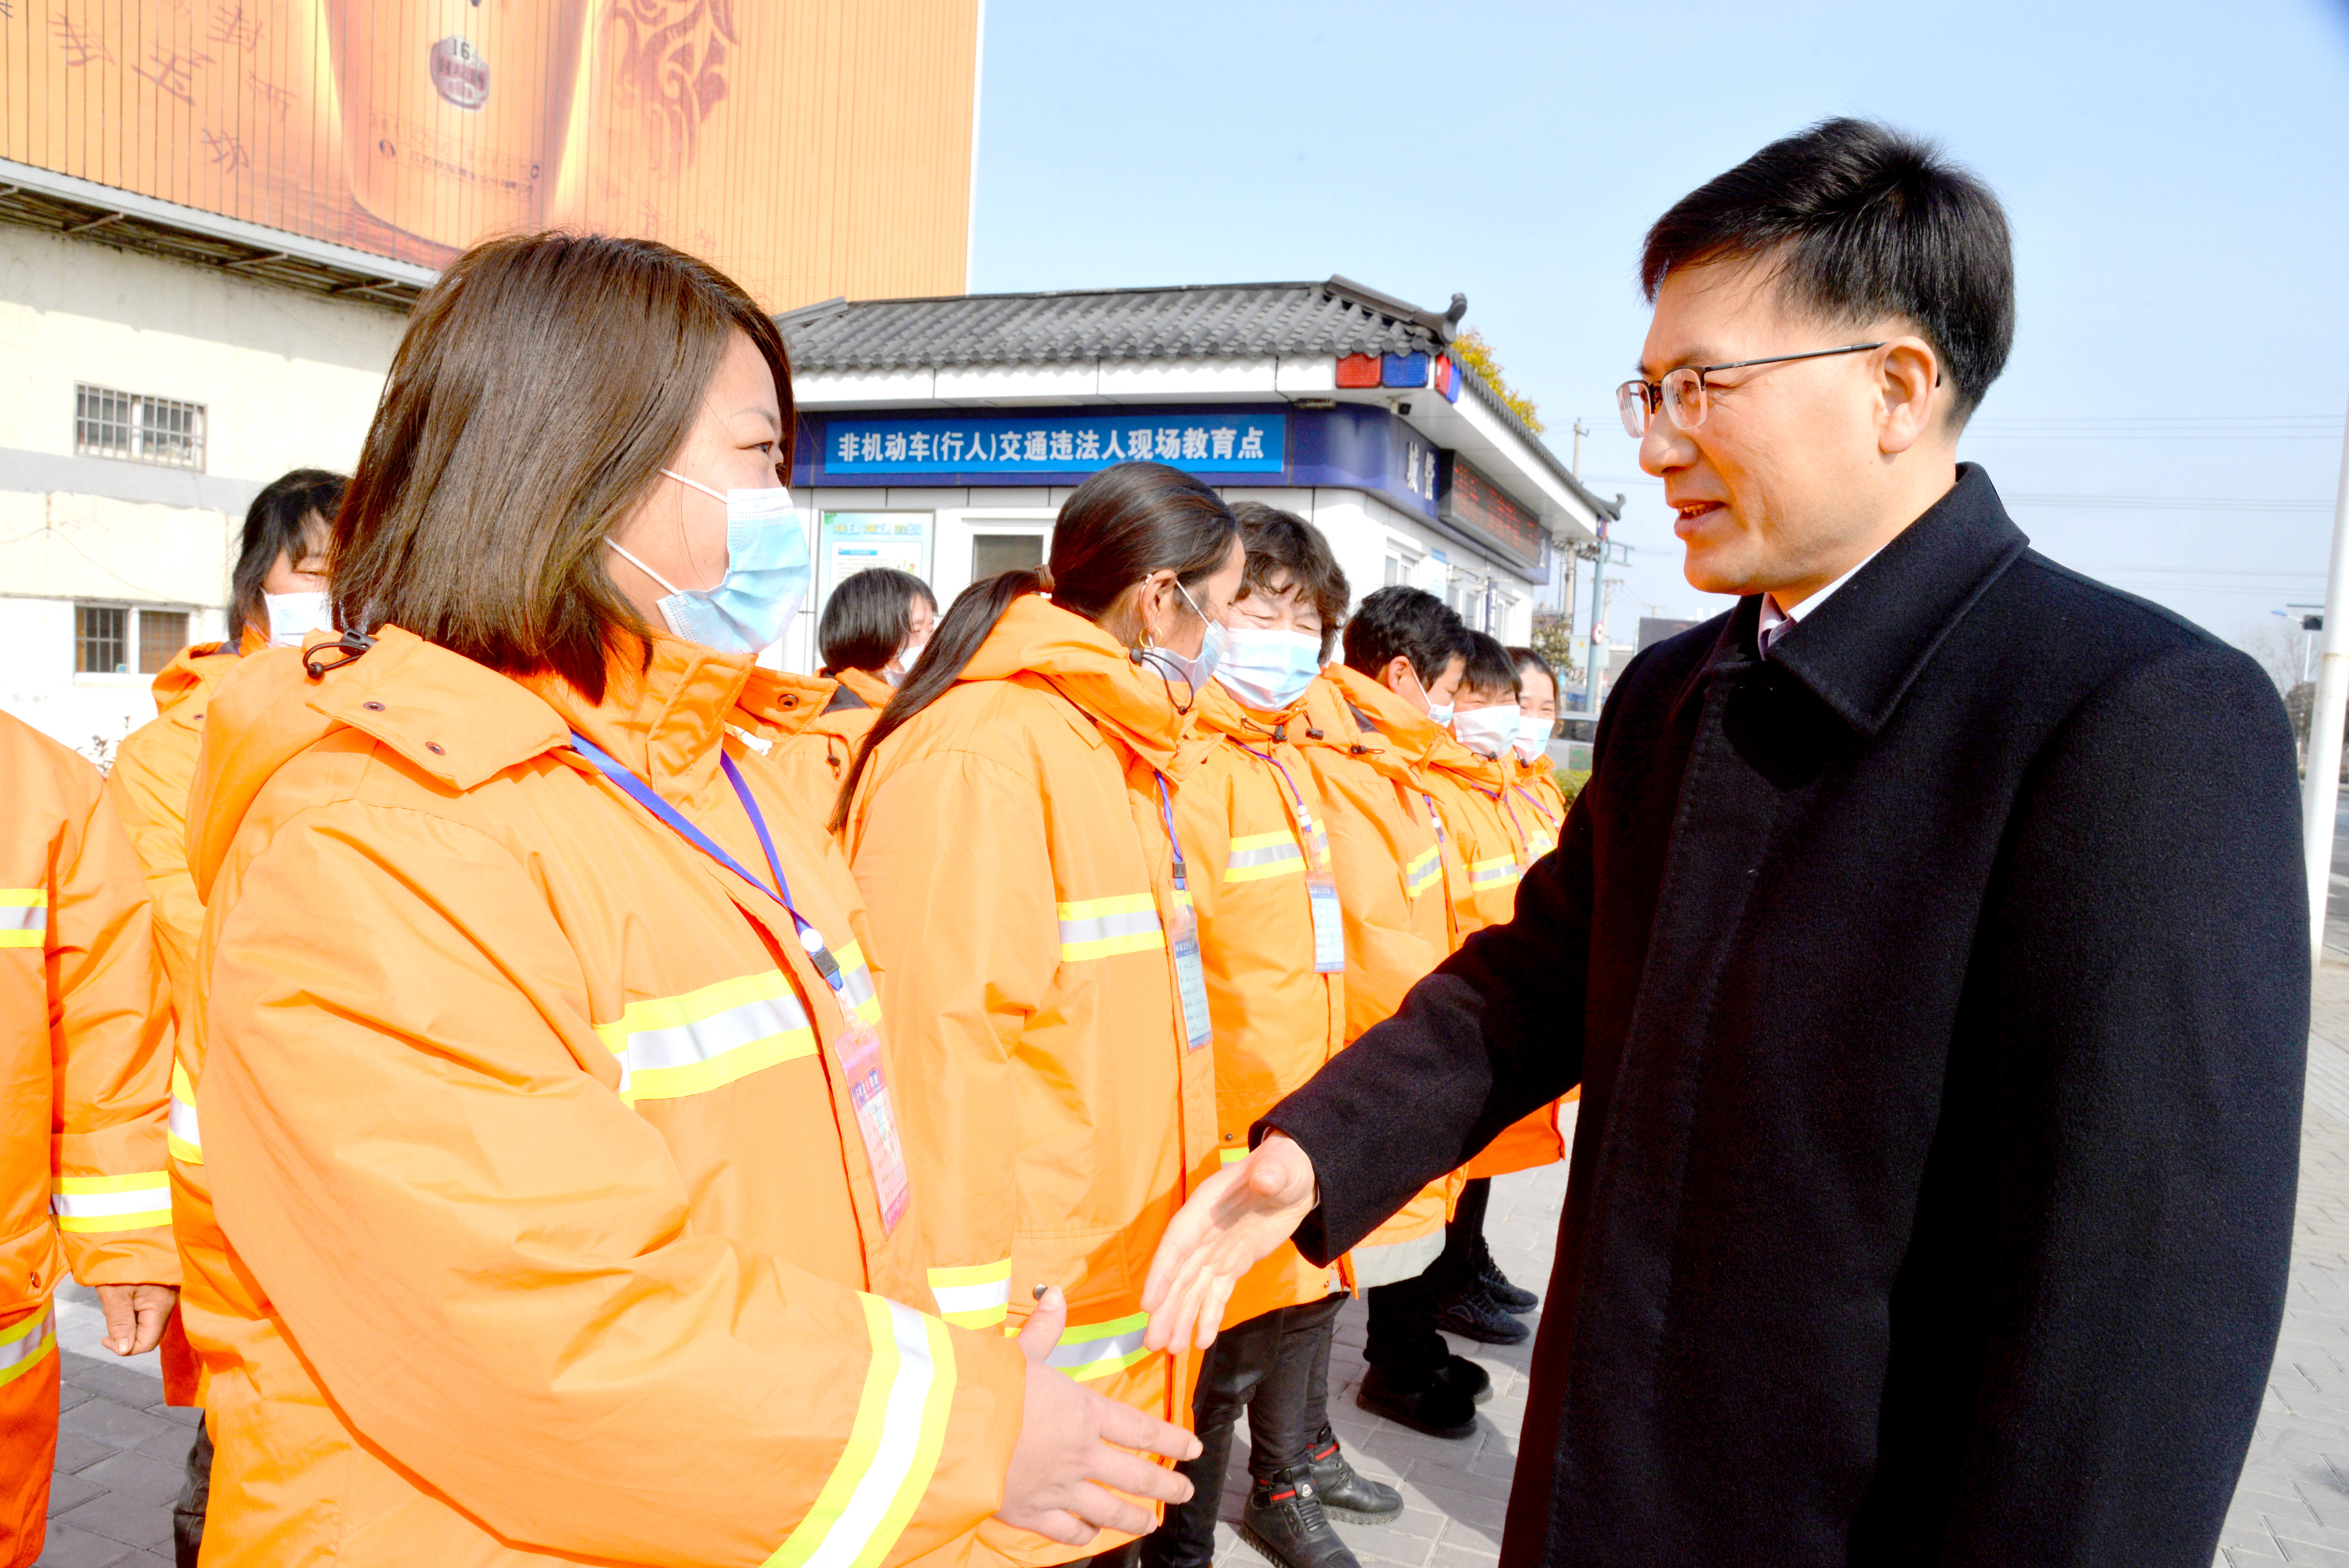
{"x": 876, "y": 1122}
{"x": 1322, "y": 888}
{"x": 1190, "y": 975}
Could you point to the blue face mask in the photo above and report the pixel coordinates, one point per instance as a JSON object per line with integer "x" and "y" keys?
{"x": 1196, "y": 668}
{"x": 1268, "y": 670}
{"x": 766, "y": 575}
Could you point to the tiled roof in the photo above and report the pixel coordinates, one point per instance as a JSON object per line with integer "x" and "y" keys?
{"x": 1210, "y": 321}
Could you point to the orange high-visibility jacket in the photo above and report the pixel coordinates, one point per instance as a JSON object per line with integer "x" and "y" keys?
{"x": 1492, "y": 832}
{"x": 154, "y": 768}
{"x": 1542, "y": 800}
{"x": 817, "y": 758}
{"x": 84, "y": 1046}
{"x": 1013, "y": 846}
{"x": 1250, "y": 825}
{"x": 545, "y": 1225}
{"x": 1363, "y": 745}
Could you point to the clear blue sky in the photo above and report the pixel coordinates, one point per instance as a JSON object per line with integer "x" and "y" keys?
{"x": 2176, "y": 175}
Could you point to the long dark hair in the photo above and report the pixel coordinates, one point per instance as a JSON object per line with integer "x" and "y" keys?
{"x": 467, "y": 522}
{"x": 1120, "y": 526}
{"x": 869, "y": 618}
{"x": 290, "y": 517}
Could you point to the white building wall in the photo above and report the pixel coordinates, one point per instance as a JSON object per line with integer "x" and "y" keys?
{"x": 287, "y": 380}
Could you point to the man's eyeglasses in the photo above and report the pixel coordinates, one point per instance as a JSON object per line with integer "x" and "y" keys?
{"x": 1681, "y": 394}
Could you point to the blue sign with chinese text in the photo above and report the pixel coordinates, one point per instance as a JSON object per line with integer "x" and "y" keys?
{"x": 1054, "y": 443}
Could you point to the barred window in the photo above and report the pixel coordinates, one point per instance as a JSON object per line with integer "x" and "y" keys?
{"x": 138, "y": 428}
{"x": 161, "y": 635}
{"x": 101, "y": 638}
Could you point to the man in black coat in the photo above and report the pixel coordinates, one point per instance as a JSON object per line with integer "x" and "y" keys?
{"x": 1930, "y": 945}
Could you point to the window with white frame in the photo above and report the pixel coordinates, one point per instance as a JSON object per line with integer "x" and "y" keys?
{"x": 126, "y": 639}
{"x": 135, "y": 427}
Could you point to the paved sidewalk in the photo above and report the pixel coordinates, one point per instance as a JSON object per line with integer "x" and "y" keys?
{"x": 121, "y": 1455}
{"x": 2294, "y": 1503}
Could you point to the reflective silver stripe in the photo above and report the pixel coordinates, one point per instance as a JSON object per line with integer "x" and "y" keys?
{"x": 1099, "y": 1349}
{"x": 1394, "y": 1262}
{"x": 1263, "y": 859}
{"x": 1104, "y": 927}
{"x": 955, "y": 1298}
{"x": 686, "y": 1045}
{"x": 24, "y": 909}
{"x": 183, "y": 1125}
{"x": 145, "y": 1200}
{"x": 25, "y": 1341}
{"x": 675, "y": 1046}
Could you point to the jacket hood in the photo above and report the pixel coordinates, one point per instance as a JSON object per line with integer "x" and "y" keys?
{"x": 1085, "y": 665}
{"x": 1406, "y": 739}
{"x": 1220, "y": 713}
{"x": 871, "y": 690}
{"x": 192, "y": 672}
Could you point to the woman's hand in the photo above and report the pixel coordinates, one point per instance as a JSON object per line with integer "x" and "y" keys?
{"x": 1072, "y": 1450}
{"x": 1238, "y": 1216}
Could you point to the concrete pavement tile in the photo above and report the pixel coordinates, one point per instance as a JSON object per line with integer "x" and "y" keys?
{"x": 70, "y": 1548}
{"x": 122, "y": 1519}
{"x": 170, "y": 1446}
{"x": 134, "y": 1389}
{"x": 1470, "y": 1509}
{"x": 2320, "y": 1556}
{"x": 178, "y": 1415}
{"x": 116, "y": 1425}
{"x": 69, "y": 1395}
{"x": 1435, "y": 1475}
{"x": 67, "y": 1492}
{"x": 148, "y": 1480}
{"x": 75, "y": 1449}
{"x": 1463, "y": 1554}
{"x": 1416, "y": 1522}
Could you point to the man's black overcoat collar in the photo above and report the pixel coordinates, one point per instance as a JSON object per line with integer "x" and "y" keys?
{"x": 1859, "y": 651}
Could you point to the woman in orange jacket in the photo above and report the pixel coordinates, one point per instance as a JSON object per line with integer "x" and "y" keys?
{"x": 873, "y": 628}
{"x": 1010, "y": 825}
{"x": 1272, "y": 939}
{"x": 1532, "y": 778}
{"x": 277, "y": 595}
{"x": 561, "y": 1210}
{"x": 84, "y": 1052}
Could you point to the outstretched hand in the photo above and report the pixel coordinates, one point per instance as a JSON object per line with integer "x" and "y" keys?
{"x": 1238, "y": 1216}
{"x": 1072, "y": 1450}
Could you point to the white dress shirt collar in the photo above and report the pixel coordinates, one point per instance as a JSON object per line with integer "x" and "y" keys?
{"x": 1776, "y": 622}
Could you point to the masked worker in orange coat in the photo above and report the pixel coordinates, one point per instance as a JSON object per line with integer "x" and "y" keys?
{"x": 874, "y": 627}
{"x": 1498, "y": 830}
{"x": 1010, "y": 825}
{"x": 547, "y": 1107}
{"x": 1272, "y": 938}
{"x": 86, "y": 1048}
{"x": 1533, "y": 780}
{"x": 277, "y": 596}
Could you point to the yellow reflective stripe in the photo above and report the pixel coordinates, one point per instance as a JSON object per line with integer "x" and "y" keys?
{"x": 1260, "y": 855}
{"x": 670, "y": 1047}
{"x": 1231, "y": 1155}
{"x": 891, "y": 1450}
{"x": 87, "y": 1205}
{"x": 857, "y": 979}
{"x": 1105, "y": 927}
{"x": 1484, "y": 874}
{"x": 1099, "y": 1349}
{"x": 182, "y": 1132}
{"x": 23, "y": 1344}
{"x": 24, "y": 916}
{"x": 1421, "y": 873}
{"x": 978, "y": 1295}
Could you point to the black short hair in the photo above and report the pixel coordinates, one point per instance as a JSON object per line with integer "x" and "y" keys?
{"x": 292, "y": 516}
{"x": 1409, "y": 621}
{"x": 869, "y": 617}
{"x": 1489, "y": 667}
{"x": 1283, "y": 548}
{"x": 1861, "y": 222}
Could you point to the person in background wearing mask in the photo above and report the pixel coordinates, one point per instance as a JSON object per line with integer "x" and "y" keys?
{"x": 1496, "y": 836}
{"x": 547, "y": 1107}
{"x": 86, "y": 1048}
{"x": 277, "y": 595}
{"x": 873, "y": 628}
{"x": 1533, "y": 779}
{"x": 1011, "y": 823}
{"x": 1273, "y": 943}
{"x": 1370, "y": 721}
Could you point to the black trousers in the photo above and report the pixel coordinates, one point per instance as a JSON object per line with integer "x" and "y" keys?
{"x": 1277, "y": 1368}
{"x": 1400, "y": 1336}
{"x": 195, "y": 1496}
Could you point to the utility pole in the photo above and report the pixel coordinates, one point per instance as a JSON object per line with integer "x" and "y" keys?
{"x": 1579, "y": 433}
{"x": 2320, "y": 791}
{"x": 1598, "y": 622}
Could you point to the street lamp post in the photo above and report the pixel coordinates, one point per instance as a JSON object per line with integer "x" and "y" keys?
{"x": 2320, "y": 797}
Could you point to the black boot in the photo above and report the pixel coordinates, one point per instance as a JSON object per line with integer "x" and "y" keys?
{"x": 1284, "y": 1520}
{"x": 1471, "y": 1316}
{"x": 1468, "y": 1378}
{"x": 1496, "y": 1286}
{"x": 1428, "y": 1403}
{"x": 1346, "y": 1492}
